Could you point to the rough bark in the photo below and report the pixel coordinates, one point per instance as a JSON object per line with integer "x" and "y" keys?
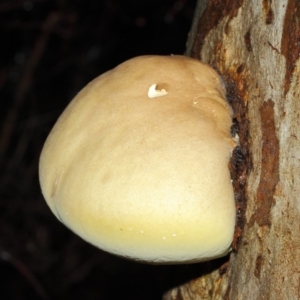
{"x": 255, "y": 46}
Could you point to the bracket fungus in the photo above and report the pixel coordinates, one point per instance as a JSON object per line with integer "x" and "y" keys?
{"x": 137, "y": 164}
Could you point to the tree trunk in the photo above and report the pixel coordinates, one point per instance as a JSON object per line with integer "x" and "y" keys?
{"x": 255, "y": 46}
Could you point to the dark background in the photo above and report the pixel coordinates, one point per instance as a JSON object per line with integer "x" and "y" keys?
{"x": 49, "y": 51}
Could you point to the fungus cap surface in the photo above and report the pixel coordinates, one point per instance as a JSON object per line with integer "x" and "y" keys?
{"x": 137, "y": 164}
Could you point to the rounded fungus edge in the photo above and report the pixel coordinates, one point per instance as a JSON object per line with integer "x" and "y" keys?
{"x": 143, "y": 177}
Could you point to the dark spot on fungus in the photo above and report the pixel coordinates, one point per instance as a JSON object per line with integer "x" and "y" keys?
{"x": 162, "y": 86}
{"x": 56, "y": 182}
{"x": 106, "y": 178}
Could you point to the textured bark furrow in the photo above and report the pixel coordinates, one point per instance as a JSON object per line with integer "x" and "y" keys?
{"x": 240, "y": 161}
{"x": 269, "y": 176}
{"x": 214, "y": 12}
{"x": 268, "y": 11}
{"x": 290, "y": 42}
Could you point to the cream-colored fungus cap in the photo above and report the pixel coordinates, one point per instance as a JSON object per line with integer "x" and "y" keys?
{"x": 137, "y": 164}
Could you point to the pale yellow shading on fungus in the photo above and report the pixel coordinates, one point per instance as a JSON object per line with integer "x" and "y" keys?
{"x": 145, "y": 177}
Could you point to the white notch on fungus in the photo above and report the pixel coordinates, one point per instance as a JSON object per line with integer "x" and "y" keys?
{"x": 154, "y": 93}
